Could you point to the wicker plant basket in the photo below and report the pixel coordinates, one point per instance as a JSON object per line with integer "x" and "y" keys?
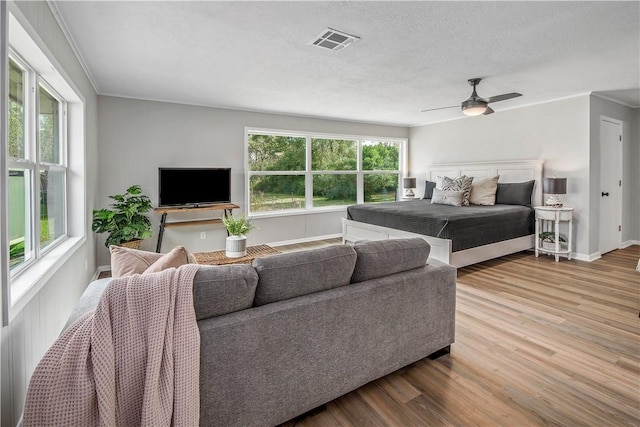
{"x": 133, "y": 244}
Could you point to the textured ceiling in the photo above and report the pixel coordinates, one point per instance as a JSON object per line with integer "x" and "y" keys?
{"x": 411, "y": 55}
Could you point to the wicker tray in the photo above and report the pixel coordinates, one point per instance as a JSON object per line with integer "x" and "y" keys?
{"x": 219, "y": 257}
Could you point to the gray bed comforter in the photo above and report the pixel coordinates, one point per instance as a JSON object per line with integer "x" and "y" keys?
{"x": 466, "y": 226}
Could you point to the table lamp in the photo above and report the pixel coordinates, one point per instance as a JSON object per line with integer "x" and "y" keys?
{"x": 553, "y": 187}
{"x": 409, "y": 184}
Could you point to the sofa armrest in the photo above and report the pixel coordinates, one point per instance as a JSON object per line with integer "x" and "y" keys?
{"x": 89, "y": 300}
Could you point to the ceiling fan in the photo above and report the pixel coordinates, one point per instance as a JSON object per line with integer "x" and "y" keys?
{"x": 475, "y": 105}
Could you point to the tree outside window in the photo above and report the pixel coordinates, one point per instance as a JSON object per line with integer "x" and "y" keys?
{"x": 280, "y": 178}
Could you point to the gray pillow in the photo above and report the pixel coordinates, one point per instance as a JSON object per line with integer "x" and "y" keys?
{"x": 514, "y": 193}
{"x": 447, "y": 197}
{"x": 219, "y": 290}
{"x": 294, "y": 274}
{"x": 385, "y": 257}
{"x": 428, "y": 189}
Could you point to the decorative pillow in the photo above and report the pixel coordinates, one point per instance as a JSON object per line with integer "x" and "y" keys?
{"x": 385, "y": 257}
{"x": 514, "y": 193}
{"x": 126, "y": 261}
{"x": 446, "y": 197}
{"x": 461, "y": 183}
{"x": 483, "y": 191}
{"x": 175, "y": 258}
{"x": 428, "y": 189}
{"x": 279, "y": 276}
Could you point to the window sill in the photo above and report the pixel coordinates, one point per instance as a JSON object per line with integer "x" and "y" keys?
{"x": 29, "y": 282}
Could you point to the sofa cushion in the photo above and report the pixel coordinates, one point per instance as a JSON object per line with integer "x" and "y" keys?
{"x": 293, "y": 274}
{"x": 385, "y": 257}
{"x": 219, "y": 290}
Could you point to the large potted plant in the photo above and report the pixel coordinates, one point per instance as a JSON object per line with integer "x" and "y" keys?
{"x": 237, "y": 227}
{"x": 125, "y": 221}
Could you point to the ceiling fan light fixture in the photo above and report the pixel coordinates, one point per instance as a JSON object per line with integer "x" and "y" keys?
{"x": 473, "y": 107}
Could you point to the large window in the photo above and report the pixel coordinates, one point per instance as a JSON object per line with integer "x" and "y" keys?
{"x": 37, "y": 167}
{"x": 292, "y": 172}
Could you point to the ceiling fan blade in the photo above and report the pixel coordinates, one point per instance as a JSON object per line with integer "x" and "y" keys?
{"x": 489, "y": 110}
{"x": 440, "y": 108}
{"x": 503, "y": 97}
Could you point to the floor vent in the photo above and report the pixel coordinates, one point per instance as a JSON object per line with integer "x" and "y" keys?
{"x": 333, "y": 40}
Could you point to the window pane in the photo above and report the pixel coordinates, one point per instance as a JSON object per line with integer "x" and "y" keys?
{"x": 334, "y": 155}
{"x": 52, "y": 206}
{"x": 334, "y": 190}
{"x": 49, "y": 127}
{"x": 276, "y": 153}
{"x": 16, "y": 111}
{"x": 378, "y": 155}
{"x": 20, "y": 242}
{"x": 277, "y": 192}
{"x": 380, "y": 187}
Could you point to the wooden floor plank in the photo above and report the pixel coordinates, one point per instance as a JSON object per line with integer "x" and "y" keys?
{"x": 537, "y": 343}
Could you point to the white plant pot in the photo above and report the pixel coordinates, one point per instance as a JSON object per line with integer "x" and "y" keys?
{"x": 236, "y": 246}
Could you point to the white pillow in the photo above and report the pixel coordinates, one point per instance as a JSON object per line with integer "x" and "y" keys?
{"x": 447, "y": 197}
{"x": 483, "y": 191}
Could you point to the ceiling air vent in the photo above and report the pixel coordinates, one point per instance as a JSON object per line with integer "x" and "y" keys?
{"x": 333, "y": 40}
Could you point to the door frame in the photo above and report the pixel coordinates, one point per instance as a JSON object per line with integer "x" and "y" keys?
{"x": 621, "y": 187}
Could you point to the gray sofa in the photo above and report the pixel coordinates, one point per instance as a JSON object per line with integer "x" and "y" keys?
{"x": 294, "y": 331}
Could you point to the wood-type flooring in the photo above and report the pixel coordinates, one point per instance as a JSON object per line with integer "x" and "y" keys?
{"x": 537, "y": 343}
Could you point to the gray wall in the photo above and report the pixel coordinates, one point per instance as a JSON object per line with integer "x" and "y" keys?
{"x": 557, "y": 132}
{"x": 136, "y": 137}
{"x": 630, "y": 178}
{"x": 35, "y": 328}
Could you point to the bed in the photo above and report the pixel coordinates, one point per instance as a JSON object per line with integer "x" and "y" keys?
{"x": 450, "y": 230}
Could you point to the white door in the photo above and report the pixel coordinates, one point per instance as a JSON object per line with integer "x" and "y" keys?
{"x": 610, "y": 192}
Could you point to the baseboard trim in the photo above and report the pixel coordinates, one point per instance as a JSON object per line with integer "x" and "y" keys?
{"x": 629, "y": 243}
{"x": 100, "y": 269}
{"x": 305, "y": 240}
{"x": 584, "y": 257}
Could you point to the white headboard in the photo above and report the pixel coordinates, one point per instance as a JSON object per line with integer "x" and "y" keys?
{"x": 509, "y": 171}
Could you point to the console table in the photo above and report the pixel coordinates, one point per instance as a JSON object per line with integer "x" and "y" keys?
{"x": 227, "y": 209}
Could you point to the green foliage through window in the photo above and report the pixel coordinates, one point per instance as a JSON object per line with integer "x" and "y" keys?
{"x": 278, "y": 171}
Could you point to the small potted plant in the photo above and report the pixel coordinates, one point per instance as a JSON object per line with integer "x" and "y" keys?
{"x": 125, "y": 221}
{"x": 237, "y": 227}
{"x": 548, "y": 239}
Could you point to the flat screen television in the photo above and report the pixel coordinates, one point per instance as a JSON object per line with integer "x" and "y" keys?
{"x": 194, "y": 186}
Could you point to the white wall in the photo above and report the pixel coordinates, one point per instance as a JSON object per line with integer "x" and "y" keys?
{"x": 631, "y": 165}
{"x": 136, "y": 137}
{"x": 35, "y": 328}
{"x": 557, "y": 132}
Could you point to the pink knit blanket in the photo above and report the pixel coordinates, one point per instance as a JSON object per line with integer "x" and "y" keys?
{"x": 134, "y": 361}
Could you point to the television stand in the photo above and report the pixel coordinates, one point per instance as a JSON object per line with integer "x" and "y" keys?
{"x": 227, "y": 209}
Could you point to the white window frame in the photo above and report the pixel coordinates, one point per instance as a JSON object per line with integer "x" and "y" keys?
{"x": 25, "y": 45}
{"x": 309, "y": 173}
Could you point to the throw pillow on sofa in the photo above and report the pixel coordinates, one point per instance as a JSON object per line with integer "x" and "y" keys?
{"x": 173, "y": 259}
{"x": 126, "y": 261}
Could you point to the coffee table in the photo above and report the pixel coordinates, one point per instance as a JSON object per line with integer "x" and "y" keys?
{"x": 219, "y": 257}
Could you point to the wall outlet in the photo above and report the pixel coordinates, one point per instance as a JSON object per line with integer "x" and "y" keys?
{"x": 203, "y": 235}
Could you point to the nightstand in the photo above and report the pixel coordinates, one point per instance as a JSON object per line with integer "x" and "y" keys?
{"x": 408, "y": 199}
{"x": 548, "y": 219}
